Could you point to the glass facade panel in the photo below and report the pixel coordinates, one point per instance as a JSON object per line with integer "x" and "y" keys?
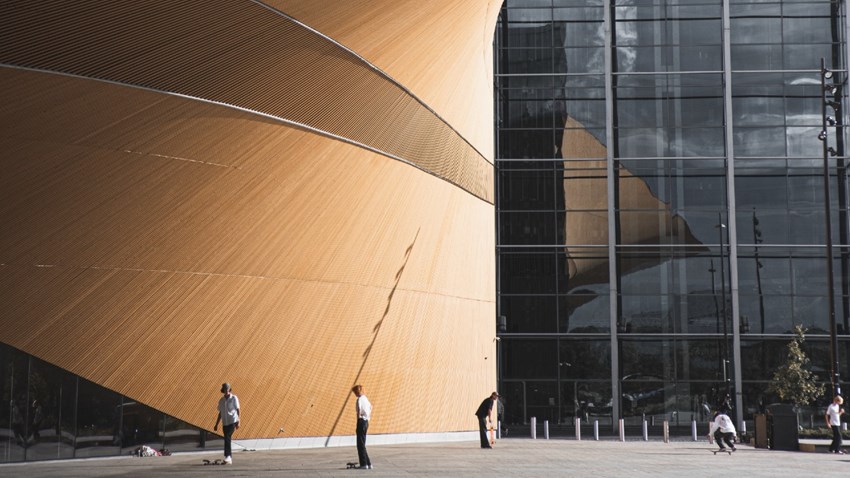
{"x": 99, "y": 421}
{"x": 585, "y": 312}
{"x": 539, "y": 359}
{"x": 690, "y": 268}
{"x": 529, "y": 313}
{"x": 140, "y": 425}
{"x": 14, "y": 410}
{"x": 52, "y": 402}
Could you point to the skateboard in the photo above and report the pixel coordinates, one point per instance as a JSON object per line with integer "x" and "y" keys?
{"x": 214, "y": 462}
{"x": 722, "y": 450}
{"x": 351, "y": 465}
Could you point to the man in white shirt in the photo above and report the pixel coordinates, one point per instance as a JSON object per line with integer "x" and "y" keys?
{"x": 833, "y": 420}
{"x": 364, "y": 413}
{"x": 228, "y": 415}
{"x": 723, "y": 430}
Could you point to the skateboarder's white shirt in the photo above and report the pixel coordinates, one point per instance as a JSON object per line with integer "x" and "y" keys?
{"x": 724, "y": 423}
{"x": 364, "y": 408}
{"x": 228, "y": 407}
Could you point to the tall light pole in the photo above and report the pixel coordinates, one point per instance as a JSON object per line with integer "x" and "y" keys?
{"x": 757, "y": 239}
{"x": 721, "y": 229}
{"x": 829, "y": 92}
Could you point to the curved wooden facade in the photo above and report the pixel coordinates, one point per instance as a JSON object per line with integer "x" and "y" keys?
{"x": 199, "y": 192}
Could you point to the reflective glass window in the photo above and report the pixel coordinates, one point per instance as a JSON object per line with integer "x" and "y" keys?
{"x": 527, "y": 144}
{"x": 98, "y": 421}
{"x": 527, "y": 273}
{"x": 589, "y": 400}
{"x": 699, "y": 359}
{"x": 681, "y": 185}
{"x": 527, "y": 190}
{"x": 530, "y": 359}
{"x": 14, "y": 367}
{"x": 669, "y": 142}
{"x": 584, "y": 313}
{"x": 527, "y": 314}
{"x": 756, "y": 23}
{"x": 541, "y": 400}
{"x": 140, "y": 425}
{"x": 52, "y": 408}
{"x": 585, "y": 359}
{"x": 528, "y": 227}
{"x": 180, "y": 436}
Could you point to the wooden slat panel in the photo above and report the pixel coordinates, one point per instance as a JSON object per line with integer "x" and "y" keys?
{"x": 159, "y": 246}
{"x": 439, "y": 49}
{"x": 240, "y": 53}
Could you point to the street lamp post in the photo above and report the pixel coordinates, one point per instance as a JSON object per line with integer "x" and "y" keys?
{"x": 721, "y": 228}
{"x": 757, "y": 239}
{"x": 829, "y": 92}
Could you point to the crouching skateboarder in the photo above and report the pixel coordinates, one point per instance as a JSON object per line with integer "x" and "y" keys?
{"x": 723, "y": 431}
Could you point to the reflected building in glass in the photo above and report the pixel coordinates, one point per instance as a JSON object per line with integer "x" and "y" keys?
{"x": 661, "y": 207}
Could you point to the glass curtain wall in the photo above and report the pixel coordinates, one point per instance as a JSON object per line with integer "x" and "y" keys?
{"x": 47, "y": 413}
{"x": 660, "y": 204}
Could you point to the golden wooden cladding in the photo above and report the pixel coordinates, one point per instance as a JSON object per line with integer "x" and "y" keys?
{"x": 245, "y": 54}
{"x": 442, "y": 50}
{"x": 159, "y": 246}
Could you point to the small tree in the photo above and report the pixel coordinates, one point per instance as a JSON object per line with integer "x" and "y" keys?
{"x": 792, "y": 381}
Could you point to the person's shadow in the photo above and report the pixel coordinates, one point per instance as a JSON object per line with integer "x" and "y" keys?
{"x": 375, "y": 331}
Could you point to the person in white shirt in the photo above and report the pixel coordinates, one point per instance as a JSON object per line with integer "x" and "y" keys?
{"x": 228, "y": 415}
{"x": 723, "y": 430}
{"x": 833, "y": 420}
{"x": 364, "y": 413}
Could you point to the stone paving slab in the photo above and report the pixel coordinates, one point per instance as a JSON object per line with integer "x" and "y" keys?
{"x": 513, "y": 457}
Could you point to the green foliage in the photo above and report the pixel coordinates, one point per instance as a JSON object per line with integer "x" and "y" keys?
{"x": 792, "y": 381}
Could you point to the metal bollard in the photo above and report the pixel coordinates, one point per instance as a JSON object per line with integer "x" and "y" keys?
{"x": 665, "y": 429}
{"x": 533, "y": 428}
{"x": 844, "y": 426}
{"x": 694, "y": 429}
{"x": 596, "y": 429}
{"x": 578, "y": 428}
{"x": 622, "y": 430}
{"x": 743, "y": 426}
{"x": 546, "y": 429}
{"x": 645, "y": 432}
{"x": 499, "y": 429}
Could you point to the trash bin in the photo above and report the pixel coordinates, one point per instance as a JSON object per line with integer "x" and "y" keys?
{"x": 760, "y": 432}
{"x": 782, "y": 427}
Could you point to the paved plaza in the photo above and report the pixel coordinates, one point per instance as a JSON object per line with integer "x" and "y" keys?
{"x": 513, "y": 457}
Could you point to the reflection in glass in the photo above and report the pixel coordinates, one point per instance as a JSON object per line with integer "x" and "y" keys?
{"x": 529, "y": 313}
{"x": 140, "y": 425}
{"x": 52, "y": 399}
{"x": 98, "y": 421}
{"x": 14, "y": 367}
{"x": 539, "y": 358}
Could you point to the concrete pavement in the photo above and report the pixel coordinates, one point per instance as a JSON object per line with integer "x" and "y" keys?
{"x": 512, "y": 457}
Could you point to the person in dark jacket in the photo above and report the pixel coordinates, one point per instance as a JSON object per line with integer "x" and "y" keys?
{"x": 485, "y": 415}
